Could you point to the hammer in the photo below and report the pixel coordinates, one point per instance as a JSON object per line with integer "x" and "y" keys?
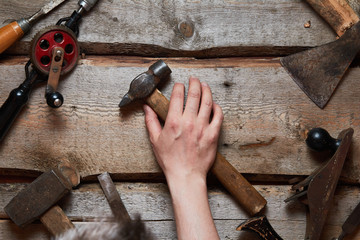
{"x": 38, "y": 200}
{"x": 144, "y": 87}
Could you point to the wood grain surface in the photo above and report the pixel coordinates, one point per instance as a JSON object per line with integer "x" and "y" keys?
{"x": 88, "y": 205}
{"x": 212, "y": 28}
{"x": 266, "y": 117}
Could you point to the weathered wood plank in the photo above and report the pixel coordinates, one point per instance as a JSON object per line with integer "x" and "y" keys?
{"x": 152, "y": 201}
{"x": 151, "y": 28}
{"x": 266, "y": 116}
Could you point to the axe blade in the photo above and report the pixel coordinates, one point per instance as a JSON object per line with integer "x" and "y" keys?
{"x": 319, "y": 70}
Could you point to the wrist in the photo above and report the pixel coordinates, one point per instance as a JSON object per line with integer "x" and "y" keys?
{"x": 187, "y": 185}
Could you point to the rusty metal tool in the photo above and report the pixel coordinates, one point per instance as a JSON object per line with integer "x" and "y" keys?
{"x": 317, "y": 190}
{"x": 261, "y": 226}
{"x": 38, "y": 200}
{"x": 12, "y": 32}
{"x": 144, "y": 87}
{"x": 54, "y": 52}
{"x": 318, "y": 71}
{"x": 112, "y": 195}
{"x": 351, "y": 223}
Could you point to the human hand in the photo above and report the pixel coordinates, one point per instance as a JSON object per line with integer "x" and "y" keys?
{"x": 186, "y": 146}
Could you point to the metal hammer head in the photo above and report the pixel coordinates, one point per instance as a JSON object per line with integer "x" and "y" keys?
{"x": 42, "y": 194}
{"x": 144, "y": 84}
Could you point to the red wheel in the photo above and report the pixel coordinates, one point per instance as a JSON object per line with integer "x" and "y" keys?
{"x": 44, "y": 42}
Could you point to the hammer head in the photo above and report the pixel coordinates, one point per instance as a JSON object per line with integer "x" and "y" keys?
{"x": 41, "y": 194}
{"x": 144, "y": 84}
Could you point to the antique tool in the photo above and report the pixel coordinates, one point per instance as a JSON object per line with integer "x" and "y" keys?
{"x": 351, "y": 223}
{"x": 261, "y": 226}
{"x": 318, "y": 71}
{"x": 319, "y": 187}
{"x": 54, "y": 52}
{"x": 37, "y": 200}
{"x": 144, "y": 87}
{"x": 12, "y": 32}
{"x": 112, "y": 195}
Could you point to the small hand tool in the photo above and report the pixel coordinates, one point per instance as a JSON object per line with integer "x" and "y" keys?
{"x": 144, "y": 87}
{"x": 54, "y": 52}
{"x": 37, "y": 200}
{"x": 351, "y": 223}
{"x": 12, "y": 32}
{"x": 319, "y": 187}
{"x": 318, "y": 71}
{"x": 261, "y": 226}
{"x": 112, "y": 195}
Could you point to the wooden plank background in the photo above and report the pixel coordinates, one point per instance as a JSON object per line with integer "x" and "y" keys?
{"x": 266, "y": 114}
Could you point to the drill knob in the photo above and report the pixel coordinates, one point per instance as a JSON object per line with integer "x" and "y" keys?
{"x": 319, "y": 139}
{"x": 54, "y": 99}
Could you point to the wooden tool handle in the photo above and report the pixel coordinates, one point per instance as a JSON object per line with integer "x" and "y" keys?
{"x": 237, "y": 185}
{"x": 337, "y": 13}
{"x": 56, "y": 221}
{"x": 233, "y": 181}
{"x": 9, "y": 34}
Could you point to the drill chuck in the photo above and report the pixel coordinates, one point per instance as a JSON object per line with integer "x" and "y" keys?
{"x": 87, "y": 4}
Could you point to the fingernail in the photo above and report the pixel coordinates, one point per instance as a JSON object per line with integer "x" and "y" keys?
{"x": 204, "y": 84}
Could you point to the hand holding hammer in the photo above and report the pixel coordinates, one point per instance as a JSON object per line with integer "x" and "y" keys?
{"x": 144, "y": 87}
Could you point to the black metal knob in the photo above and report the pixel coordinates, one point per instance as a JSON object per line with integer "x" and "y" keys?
{"x": 320, "y": 140}
{"x": 54, "y": 99}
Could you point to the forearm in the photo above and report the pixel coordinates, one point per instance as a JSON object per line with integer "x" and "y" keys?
{"x": 191, "y": 208}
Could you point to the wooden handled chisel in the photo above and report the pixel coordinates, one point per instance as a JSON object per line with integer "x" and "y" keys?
{"x": 12, "y": 32}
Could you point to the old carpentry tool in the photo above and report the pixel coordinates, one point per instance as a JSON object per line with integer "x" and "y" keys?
{"x": 54, "y": 52}
{"x": 37, "y": 200}
{"x": 144, "y": 87}
{"x": 318, "y": 71}
{"x": 112, "y": 195}
{"x": 319, "y": 187}
{"x": 351, "y": 223}
{"x": 261, "y": 226}
{"x": 12, "y": 32}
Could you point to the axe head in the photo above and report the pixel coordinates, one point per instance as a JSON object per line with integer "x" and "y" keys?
{"x": 319, "y": 70}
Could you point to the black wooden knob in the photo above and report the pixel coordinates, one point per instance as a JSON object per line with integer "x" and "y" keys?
{"x": 54, "y": 99}
{"x": 320, "y": 140}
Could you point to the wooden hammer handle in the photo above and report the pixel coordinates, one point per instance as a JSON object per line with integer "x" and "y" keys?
{"x": 56, "y": 221}
{"x": 233, "y": 181}
{"x": 337, "y": 13}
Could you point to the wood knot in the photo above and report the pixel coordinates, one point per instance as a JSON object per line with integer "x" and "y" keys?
{"x": 186, "y": 29}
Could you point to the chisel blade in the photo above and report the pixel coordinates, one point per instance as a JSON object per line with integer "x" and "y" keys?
{"x": 51, "y": 5}
{"x": 319, "y": 70}
{"x": 113, "y": 197}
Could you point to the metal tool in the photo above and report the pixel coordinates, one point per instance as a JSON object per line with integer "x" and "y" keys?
{"x": 54, "y": 52}
{"x": 112, "y": 195}
{"x": 320, "y": 186}
{"x": 351, "y": 223}
{"x": 318, "y": 71}
{"x": 37, "y": 200}
{"x": 12, "y": 32}
{"x": 144, "y": 87}
{"x": 261, "y": 226}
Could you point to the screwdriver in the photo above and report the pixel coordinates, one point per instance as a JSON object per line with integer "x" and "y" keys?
{"x": 12, "y": 32}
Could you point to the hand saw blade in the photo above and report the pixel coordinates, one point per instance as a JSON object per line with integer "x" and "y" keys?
{"x": 319, "y": 70}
